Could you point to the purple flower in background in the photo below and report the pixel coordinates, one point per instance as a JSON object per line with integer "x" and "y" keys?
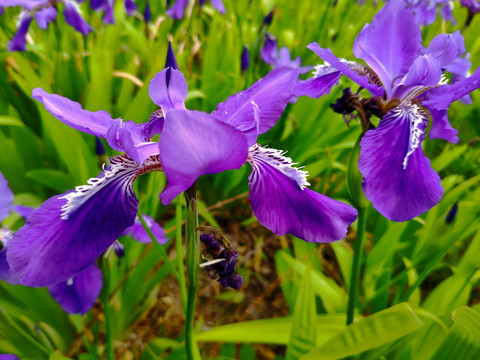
{"x": 8, "y": 357}
{"x": 407, "y": 86}
{"x": 222, "y": 266}
{"x": 177, "y": 10}
{"x": 425, "y": 11}
{"x": 472, "y": 5}
{"x": 138, "y": 232}
{"x": 44, "y": 12}
{"x": 147, "y": 13}
{"x": 78, "y": 294}
{"x": 107, "y": 6}
{"x": 274, "y": 57}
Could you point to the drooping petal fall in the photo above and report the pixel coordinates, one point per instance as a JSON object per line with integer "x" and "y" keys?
{"x": 78, "y": 294}
{"x": 281, "y": 202}
{"x": 397, "y": 177}
{"x": 6, "y": 198}
{"x": 75, "y": 19}
{"x": 45, "y": 16}
{"x": 68, "y": 232}
{"x": 18, "y": 42}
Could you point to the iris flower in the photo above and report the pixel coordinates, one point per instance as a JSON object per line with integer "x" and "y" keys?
{"x": 108, "y": 7}
{"x": 177, "y": 10}
{"x": 408, "y": 88}
{"x": 44, "y": 11}
{"x": 425, "y": 11}
{"x": 69, "y": 231}
{"x": 274, "y": 57}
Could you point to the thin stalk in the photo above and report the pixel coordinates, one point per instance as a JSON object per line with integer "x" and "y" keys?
{"x": 355, "y": 274}
{"x": 157, "y": 245}
{"x": 106, "y": 310}
{"x": 179, "y": 247}
{"x": 193, "y": 270}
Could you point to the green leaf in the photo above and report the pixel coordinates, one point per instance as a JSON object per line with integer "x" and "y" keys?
{"x": 378, "y": 329}
{"x": 303, "y": 334}
{"x": 10, "y": 121}
{"x": 271, "y": 331}
{"x": 355, "y": 178}
{"x": 462, "y": 341}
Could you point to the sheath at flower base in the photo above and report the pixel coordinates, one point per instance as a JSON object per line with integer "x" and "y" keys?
{"x": 407, "y": 83}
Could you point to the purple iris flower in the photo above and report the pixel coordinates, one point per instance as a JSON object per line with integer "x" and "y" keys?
{"x": 274, "y": 57}
{"x": 472, "y": 5}
{"x": 69, "y": 231}
{"x": 8, "y": 357}
{"x": 44, "y": 12}
{"x": 407, "y": 86}
{"x": 138, "y": 232}
{"x": 177, "y": 10}
{"x": 425, "y": 11}
{"x": 78, "y": 294}
{"x": 244, "y": 59}
{"x": 107, "y": 6}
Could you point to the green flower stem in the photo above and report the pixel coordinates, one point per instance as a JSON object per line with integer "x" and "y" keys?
{"x": 193, "y": 270}
{"x": 355, "y": 274}
{"x": 157, "y": 245}
{"x": 179, "y": 247}
{"x": 107, "y": 310}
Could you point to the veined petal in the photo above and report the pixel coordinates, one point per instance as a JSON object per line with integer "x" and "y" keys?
{"x": 6, "y": 198}
{"x": 271, "y": 94}
{"x": 72, "y": 114}
{"x": 441, "y": 128}
{"x": 78, "y": 294}
{"x": 68, "y": 232}
{"x": 177, "y": 11}
{"x": 194, "y": 143}
{"x": 6, "y": 272}
{"x": 324, "y": 78}
{"x": 75, "y": 19}
{"x": 391, "y": 43}
{"x": 138, "y": 232}
{"x": 168, "y": 89}
{"x": 281, "y": 202}
{"x": 356, "y": 72}
{"x": 397, "y": 177}
{"x": 45, "y": 16}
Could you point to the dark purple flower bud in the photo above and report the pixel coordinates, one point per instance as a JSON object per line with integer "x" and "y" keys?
{"x": 97, "y": 4}
{"x": 75, "y": 20}
{"x": 171, "y": 61}
{"x": 147, "y": 14}
{"x": 131, "y": 7}
{"x": 212, "y": 246}
{"x": 451, "y": 214}
{"x": 99, "y": 148}
{"x": 235, "y": 281}
{"x": 201, "y": 2}
{"x": 267, "y": 20}
{"x": 18, "y": 43}
{"x": 245, "y": 59}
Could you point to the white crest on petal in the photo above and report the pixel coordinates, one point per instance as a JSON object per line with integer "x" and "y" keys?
{"x": 321, "y": 70}
{"x": 258, "y": 156}
{"x": 418, "y": 122}
{"x": 122, "y": 169}
{"x": 5, "y": 236}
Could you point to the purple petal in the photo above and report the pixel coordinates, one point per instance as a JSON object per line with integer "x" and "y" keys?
{"x": 441, "y": 128}
{"x": 72, "y": 113}
{"x": 281, "y": 202}
{"x": 131, "y": 138}
{"x": 269, "y": 50}
{"x": 441, "y": 97}
{"x": 355, "y": 72}
{"x": 45, "y": 16}
{"x": 8, "y": 357}
{"x": 6, "y": 272}
{"x": 193, "y": 144}
{"x": 424, "y": 71}
{"x": 23, "y": 210}
{"x": 177, "y": 11}
{"x": 109, "y": 16}
{"x": 446, "y": 48}
{"x": 138, "y": 232}
{"x": 18, "y": 42}
{"x": 75, "y": 20}
{"x": 130, "y": 7}
{"x": 6, "y": 198}
{"x": 218, "y": 4}
{"x": 391, "y": 43}
{"x": 78, "y": 294}
{"x": 323, "y": 80}
{"x": 68, "y": 232}
{"x": 169, "y": 95}
{"x": 26, "y": 4}
{"x": 398, "y": 178}
{"x": 270, "y": 94}
{"x": 98, "y": 4}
